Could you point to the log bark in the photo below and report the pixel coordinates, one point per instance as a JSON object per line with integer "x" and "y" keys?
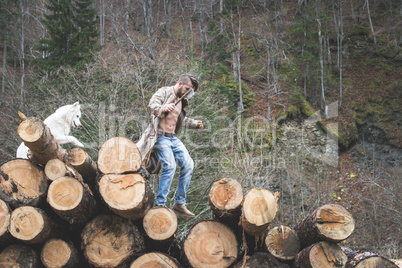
{"x": 210, "y": 244}
{"x": 160, "y": 225}
{"x": 110, "y": 240}
{"x": 259, "y": 210}
{"x": 31, "y": 225}
{"x": 83, "y": 163}
{"x": 369, "y": 260}
{"x": 19, "y": 255}
{"x": 71, "y": 200}
{"x": 155, "y": 259}
{"x": 321, "y": 254}
{"x": 282, "y": 242}
{"x": 40, "y": 141}
{"x": 119, "y": 155}
{"x": 261, "y": 259}
{"x": 57, "y": 253}
{"x": 330, "y": 222}
{"x": 55, "y": 168}
{"x": 127, "y": 195}
{"x": 226, "y": 199}
{"x": 5, "y": 235}
{"x": 22, "y": 183}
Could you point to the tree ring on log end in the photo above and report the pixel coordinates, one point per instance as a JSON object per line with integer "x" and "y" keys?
{"x": 55, "y": 168}
{"x": 210, "y": 244}
{"x": 260, "y": 207}
{"x": 327, "y": 254}
{"x": 26, "y": 223}
{"x": 160, "y": 223}
{"x": 226, "y": 194}
{"x": 335, "y": 222}
{"x": 56, "y": 253}
{"x": 282, "y": 242}
{"x": 154, "y": 259}
{"x": 4, "y": 217}
{"x": 66, "y": 193}
{"x": 31, "y": 130}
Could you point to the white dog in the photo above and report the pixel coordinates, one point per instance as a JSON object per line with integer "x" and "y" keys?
{"x": 60, "y": 123}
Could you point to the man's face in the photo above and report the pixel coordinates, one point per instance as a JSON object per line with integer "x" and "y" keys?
{"x": 184, "y": 88}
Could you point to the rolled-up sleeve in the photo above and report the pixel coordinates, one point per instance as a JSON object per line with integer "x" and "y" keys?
{"x": 155, "y": 105}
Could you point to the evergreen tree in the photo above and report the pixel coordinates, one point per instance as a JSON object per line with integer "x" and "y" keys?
{"x": 72, "y": 33}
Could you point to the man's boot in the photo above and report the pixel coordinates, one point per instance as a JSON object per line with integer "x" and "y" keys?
{"x": 181, "y": 208}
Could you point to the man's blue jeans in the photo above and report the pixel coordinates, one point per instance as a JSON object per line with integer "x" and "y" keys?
{"x": 171, "y": 150}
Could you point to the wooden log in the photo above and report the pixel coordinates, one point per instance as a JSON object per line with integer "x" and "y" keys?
{"x": 369, "y": 260}
{"x": 40, "y": 141}
{"x": 127, "y": 195}
{"x": 119, "y": 155}
{"x": 71, "y": 200}
{"x": 226, "y": 199}
{"x": 210, "y": 244}
{"x": 19, "y": 255}
{"x": 57, "y": 253}
{"x": 259, "y": 210}
{"x": 5, "y": 235}
{"x": 160, "y": 225}
{"x": 110, "y": 240}
{"x": 55, "y": 168}
{"x": 31, "y": 225}
{"x": 155, "y": 259}
{"x": 83, "y": 163}
{"x": 319, "y": 255}
{"x": 22, "y": 183}
{"x": 330, "y": 222}
{"x": 260, "y": 259}
{"x": 282, "y": 242}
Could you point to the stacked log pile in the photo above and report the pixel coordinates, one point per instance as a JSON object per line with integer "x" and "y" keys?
{"x": 61, "y": 209}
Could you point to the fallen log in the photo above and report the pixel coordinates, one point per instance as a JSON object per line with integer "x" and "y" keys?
{"x": 19, "y": 255}
{"x": 71, "y": 200}
{"x": 155, "y": 259}
{"x": 40, "y": 141}
{"x": 282, "y": 242}
{"x": 368, "y": 260}
{"x": 57, "y": 253}
{"x": 330, "y": 222}
{"x": 210, "y": 244}
{"x": 119, "y": 155}
{"x": 5, "y": 235}
{"x": 160, "y": 225}
{"x": 22, "y": 183}
{"x": 259, "y": 210}
{"x": 83, "y": 163}
{"x": 226, "y": 199}
{"x": 319, "y": 255}
{"x": 110, "y": 240}
{"x": 127, "y": 195}
{"x": 31, "y": 225}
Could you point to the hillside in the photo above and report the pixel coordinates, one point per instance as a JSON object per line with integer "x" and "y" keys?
{"x": 321, "y": 120}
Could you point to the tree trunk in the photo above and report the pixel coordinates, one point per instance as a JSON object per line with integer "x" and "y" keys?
{"x": 83, "y": 163}
{"x": 210, "y": 244}
{"x": 226, "y": 198}
{"x": 31, "y": 225}
{"x": 41, "y": 143}
{"x": 57, "y": 253}
{"x": 330, "y": 222}
{"x": 160, "y": 225}
{"x": 110, "y": 240}
{"x": 128, "y": 195}
{"x": 119, "y": 155}
{"x": 368, "y": 260}
{"x": 71, "y": 200}
{"x": 282, "y": 242}
{"x": 19, "y": 256}
{"x": 155, "y": 259}
{"x": 22, "y": 183}
{"x": 259, "y": 210}
{"x": 5, "y": 235}
{"x": 321, "y": 254}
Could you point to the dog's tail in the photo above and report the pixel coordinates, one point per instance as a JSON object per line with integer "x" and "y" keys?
{"x": 22, "y": 116}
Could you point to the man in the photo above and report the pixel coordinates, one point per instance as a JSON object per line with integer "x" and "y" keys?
{"x": 167, "y": 118}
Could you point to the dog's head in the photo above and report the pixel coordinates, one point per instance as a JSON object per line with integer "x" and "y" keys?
{"x": 74, "y": 114}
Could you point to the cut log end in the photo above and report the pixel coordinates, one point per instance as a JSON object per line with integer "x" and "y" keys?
{"x": 321, "y": 254}
{"x": 58, "y": 253}
{"x": 226, "y": 194}
{"x": 4, "y": 219}
{"x": 210, "y": 244}
{"x": 55, "y": 168}
{"x": 31, "y": 129}
{"x": 334, "y": 222}
{"x": 160, "y": 223}
{"x": 368, "y": 260}
{"x": 282, "y": 242}
{"x": 65, "y": 193}
{"x": 19, "y": 256}
{"x": 155, "y": 259}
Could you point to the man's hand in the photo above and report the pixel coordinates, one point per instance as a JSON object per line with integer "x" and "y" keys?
{"x": 199, "y": 125}
{"x": 169, "y": 107}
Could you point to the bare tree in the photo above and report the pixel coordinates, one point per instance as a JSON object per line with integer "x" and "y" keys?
{"x": 22, "y": 52}
{"x": 371, "y": 24}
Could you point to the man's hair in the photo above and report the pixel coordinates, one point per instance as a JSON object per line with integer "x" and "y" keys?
{"x": 185, "y": 78}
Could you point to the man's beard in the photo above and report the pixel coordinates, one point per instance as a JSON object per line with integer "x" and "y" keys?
{"x": 180, "y": 92}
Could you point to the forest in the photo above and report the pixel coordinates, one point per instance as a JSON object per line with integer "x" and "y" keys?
{"x": 299, "y": 98}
